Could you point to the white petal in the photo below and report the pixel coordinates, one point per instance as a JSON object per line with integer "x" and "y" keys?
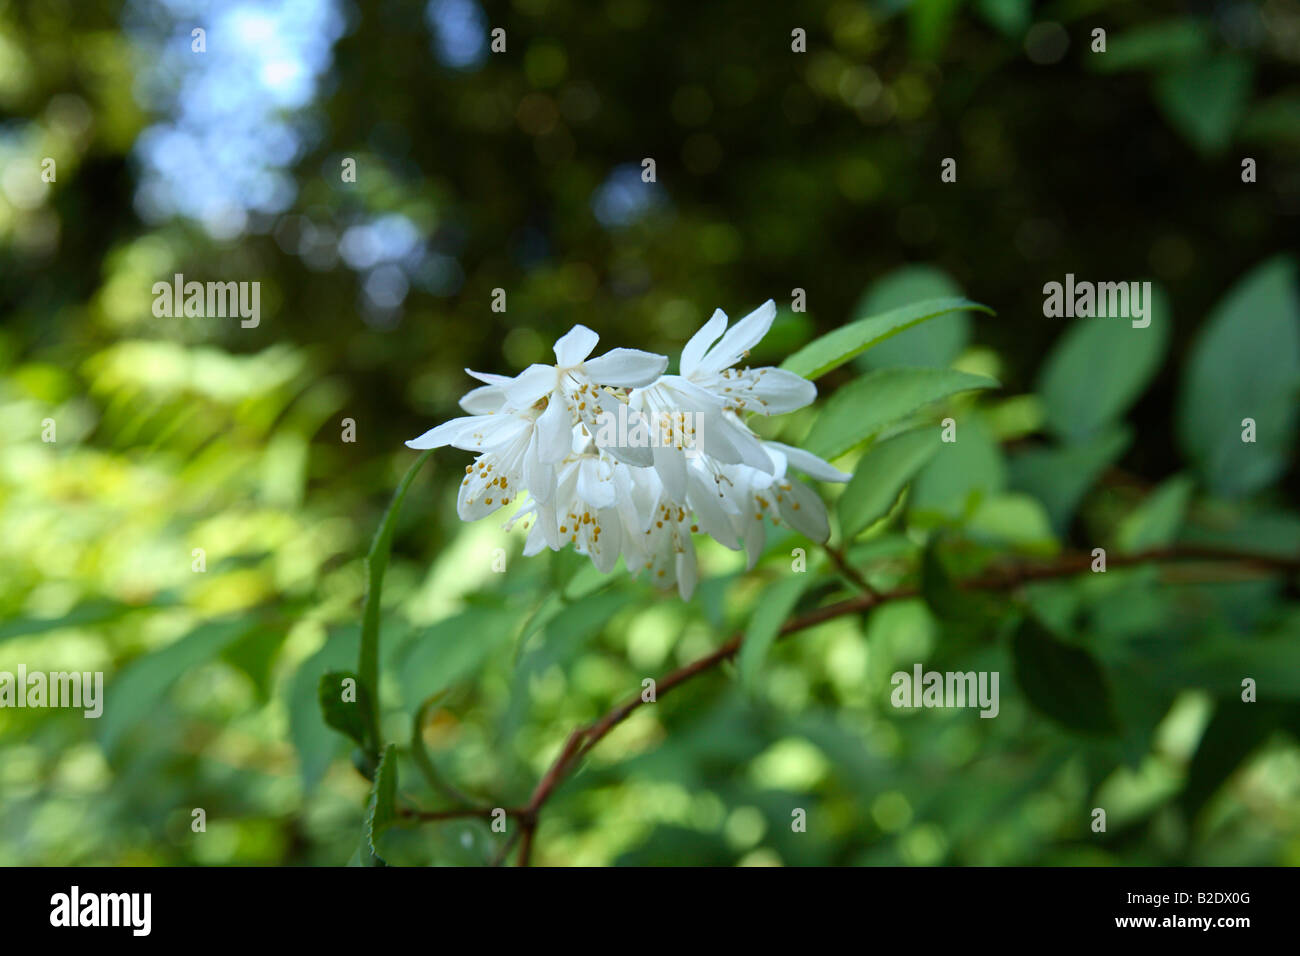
{"x": 488, "y": 378}
{"x": 530, "y": 385}
{"x": 555, "y": 431}
{"x": 701, "y": 340}
{"x": 472, "y": 500}
{"x": 535, "y": 542}
{"x": 632, "y": 507}
{"x": 740, "y": 338}
{"x": 493, "y": 432}
{"x": 605, "y": 554}
{"x": 670, "y": 464}
{"x": 810, "y": 464}
{"x": 703, "y": 497}
{"x": 774, "y": 391}
{"x": 594, "y": 484}
{"x": 574, "y": 346}
{"x": 538, "y": 479}
{"x": 742, "y": 439}
{"x": 683, "y": 393}
{"x": 778, "y": 459}
{"x": 686, "y": 571}
{"x": 446, "y": 433}
{"x": 803, "y": 510}
{"x": 483, "y": 400}
{"x": 626, "y": 368}
{"x": 639, "y": 456}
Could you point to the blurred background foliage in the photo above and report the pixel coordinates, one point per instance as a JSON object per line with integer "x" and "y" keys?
{"x": 521, "y": 171}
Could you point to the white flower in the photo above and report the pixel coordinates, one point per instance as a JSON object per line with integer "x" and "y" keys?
{"x": 708, "y": 358}
{"x": 705, "y": 472}
{"x": 572, "y": 387}
{"x": 718, "y": 394}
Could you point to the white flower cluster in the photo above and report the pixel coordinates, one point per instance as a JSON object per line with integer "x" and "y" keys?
{"x": 542, "y": 432}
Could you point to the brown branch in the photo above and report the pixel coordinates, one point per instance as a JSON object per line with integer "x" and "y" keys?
{"x": 581, "y": 741}
{"x": 847, "y": 570}
{"x": 457, "y": 813}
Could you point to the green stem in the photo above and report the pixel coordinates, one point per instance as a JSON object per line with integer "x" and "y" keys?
{"x": 420, "y": 756}
{"x": 376, "y": 565}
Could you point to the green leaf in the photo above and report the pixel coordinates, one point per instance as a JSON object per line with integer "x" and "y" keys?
{"x": 452, "y": 650}
{"x": 771, "y": 611}
{"x": 929, "y": 23}
{"x": 314, "y": 741}
{"x": 1245, "y": 364}
{"x": 1154, "y": 46}
{"x": 1015, "y": 519}
{"x": 1155, "y": 522}
{"x": 970, "y": 610}
{"x": 835, "y": 348}
{"x": 1060, "y": 477}
{"x": 256, "y": 655}
{"x": 1234, "y": 731}
{"x": 935, "y": 342}
{"x": 941, "y": 593}
{"x": 1098, "y": 369}
{"x": 961, "y": 474}
{"x": 866, "y": 405}
{"x": 575, "y": 626}
{"x": 880, "y": 476}
{"x": 382, "y": 811}
{"x": 376, "y": 566}
{"x": 347, "y": 717}
{"x": 1204, "y": 99}
{"x": 93, "y": 612}
{"x": 1062, "y": 681}
{"x": 136, "y": 693}
{"x": 1010, "y": 17}
{"x": 1263, "y": 530}
{"x": 1276, "y": 120}
{"x": 423, "y": 760}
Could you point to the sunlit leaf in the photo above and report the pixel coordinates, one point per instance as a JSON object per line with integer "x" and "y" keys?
{"x": 835, "y": 348}
{"x": 881, "y": 475}
{"x": 771, "y": 611}
{"x": 866, "y": 405}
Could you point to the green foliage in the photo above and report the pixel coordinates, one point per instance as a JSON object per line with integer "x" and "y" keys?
{"x": 866, "y": 405}
{"x": 1062, "y": 681}
{"x": 1155, "y": 523}
{"x": 1156, "y": 45}
{"x": 1099, "y": 369}
{"x": 381, "y": 813}
{"x": 347, "y": 717}
{"x": 1245, "y": 363}
{"x": 835, "y": 348}
{"x": 376, "y": 566}
{"x": 881, "y": 475}
{"x": 1205, "y": 99}
{"x": 769, "y": 614}
{"x": 141, "y": 688}
{"x": 936, "y": 341}
{"x": 1060, "y": 476}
